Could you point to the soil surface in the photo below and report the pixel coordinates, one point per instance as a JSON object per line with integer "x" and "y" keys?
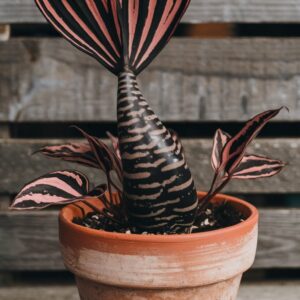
{"x": 215, "y": 216}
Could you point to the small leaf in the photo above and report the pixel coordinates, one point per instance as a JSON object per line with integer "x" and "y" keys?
{"x": 235, "y": 148}
{"x": 106, "y": 159}
{"x": 80, "y": 153}
{"x": 176, "y": 139}
{"x": 60, "y": 187}
{"x": 254, "y": 166}
{"x": 220, "y": 139}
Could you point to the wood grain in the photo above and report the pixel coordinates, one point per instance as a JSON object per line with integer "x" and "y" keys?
{"x": 29, "y": 240}
{"x": 191, "y": 80}
{"x": 15, "y": 11}
{"x": 17, "y": 167}
{"x": 268, "y": 290}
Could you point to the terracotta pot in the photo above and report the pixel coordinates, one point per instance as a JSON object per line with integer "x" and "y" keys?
{"x": 114, "y": 266}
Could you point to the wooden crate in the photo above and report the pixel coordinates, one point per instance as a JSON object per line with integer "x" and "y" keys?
{"x": 203, "y": 81}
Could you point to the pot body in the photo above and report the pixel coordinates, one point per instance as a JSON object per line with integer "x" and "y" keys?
{"x": 207, "y": 265}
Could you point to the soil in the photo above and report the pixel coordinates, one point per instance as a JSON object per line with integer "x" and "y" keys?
{"x": 215, "y": 216}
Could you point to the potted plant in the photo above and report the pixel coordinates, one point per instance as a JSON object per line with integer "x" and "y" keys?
{"x": 146, "y": 233}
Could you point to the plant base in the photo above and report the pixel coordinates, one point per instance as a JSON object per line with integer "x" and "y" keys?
{"x": 224, "y": 290}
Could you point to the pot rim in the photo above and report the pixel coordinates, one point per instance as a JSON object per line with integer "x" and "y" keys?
{"x": 65, "y": 220}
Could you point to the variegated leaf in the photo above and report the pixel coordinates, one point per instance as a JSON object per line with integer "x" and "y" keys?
{"x": 113, "y": 30}
{"x": 106, "y": 159}
{"x": 235, "y": 148}
{"x": 220, "y": 140}
{"x": 255, "y": 166}
{"x": 80, "y": 153}
{"x": 60, "y": 187}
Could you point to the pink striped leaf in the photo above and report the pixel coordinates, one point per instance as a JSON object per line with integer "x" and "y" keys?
{"x": 116, "y": 31}
{"x": 80, "y": 153}
{"x": 235, "y": 148}
{"x": 220, "y": 140}
{"x": 255, "y": 166}
{"x": 60, "y": 187}
{"x": 105, "y": 157}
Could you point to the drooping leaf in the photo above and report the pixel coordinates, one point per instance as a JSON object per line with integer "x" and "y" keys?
{"x": 220, "y": 139}
{"x": 234, "y": 149}
{"x": 80, "y": 153}
{"x": 106, "y": 159}
{"x": 255, "y": 166}
{"x": 60, "y": 187}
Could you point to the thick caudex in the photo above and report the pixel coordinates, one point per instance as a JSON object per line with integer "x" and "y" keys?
{"x": 125, "y": 36}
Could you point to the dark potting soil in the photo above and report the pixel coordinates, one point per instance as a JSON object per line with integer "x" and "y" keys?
{"x": 215, "y": 216}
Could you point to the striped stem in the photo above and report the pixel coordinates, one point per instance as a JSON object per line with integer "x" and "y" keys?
{"x": 158, "y": 188}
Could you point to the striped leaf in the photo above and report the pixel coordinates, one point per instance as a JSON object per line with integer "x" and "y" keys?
{"x": 80, "y": 153}
{"x": 60, "y": 187}
{"x": 116, "y": 31}
{"x": 105, "y": 157}
{"x": 255, "y": 166}
{"x": 235, "y": 148}
{"x": 220, "y": 139}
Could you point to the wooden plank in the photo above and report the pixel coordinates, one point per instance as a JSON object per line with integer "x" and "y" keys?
{"x": 30, "y": 240}
{"x": 15, "y": 11}
{"x": 192, "y": 80}
{"x": 268, "y": 290}
{"x": 17, "y": 166}
{"x": 52, "y": 292}
{"x": 279, "y": 239}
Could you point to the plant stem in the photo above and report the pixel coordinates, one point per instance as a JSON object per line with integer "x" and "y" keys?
{"x": 92, "y": 206}
{"x": 206, "y": 199}
{"x": 101, "y": 212}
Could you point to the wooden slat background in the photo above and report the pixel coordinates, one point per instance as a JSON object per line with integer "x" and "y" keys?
{"x": 191, "y": 80}
{"x": 200, "y": 80}
{"x": 18, "y": 167}
{"x": 24, "y": 11}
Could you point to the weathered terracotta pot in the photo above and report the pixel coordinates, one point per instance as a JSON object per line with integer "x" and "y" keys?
{"x": 114, "y": 266}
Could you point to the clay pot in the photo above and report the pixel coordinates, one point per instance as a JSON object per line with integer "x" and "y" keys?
{"x": 114, "y": 266}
